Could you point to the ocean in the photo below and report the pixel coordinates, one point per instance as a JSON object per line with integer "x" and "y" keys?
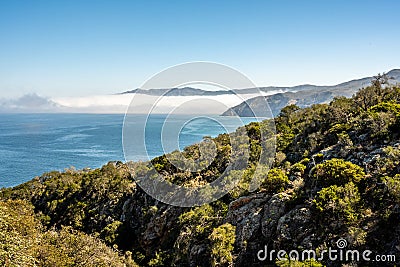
{"x": 32, "y": 144}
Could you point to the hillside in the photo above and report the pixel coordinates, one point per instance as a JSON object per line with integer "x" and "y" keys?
{"x": 342, "y": 89}
{"x": 335, "y": 175}
{"x": 303, "y": 96}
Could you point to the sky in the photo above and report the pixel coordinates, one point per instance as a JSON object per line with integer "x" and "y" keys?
{"x": 81, "y": 48}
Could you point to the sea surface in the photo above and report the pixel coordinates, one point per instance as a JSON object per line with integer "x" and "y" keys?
{"x": 32, "y": 144}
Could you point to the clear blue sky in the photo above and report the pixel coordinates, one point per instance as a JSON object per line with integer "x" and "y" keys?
{"x": 65, "y": 48}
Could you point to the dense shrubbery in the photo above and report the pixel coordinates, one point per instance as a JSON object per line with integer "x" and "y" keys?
{"x": 24, "y": 242}
{"x": 19, "y": 234}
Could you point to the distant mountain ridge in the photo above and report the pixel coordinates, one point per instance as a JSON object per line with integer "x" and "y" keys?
{"x": 346, "y": 88}
{"x": 185, "y": 91}
{"x": 303, "y": 96}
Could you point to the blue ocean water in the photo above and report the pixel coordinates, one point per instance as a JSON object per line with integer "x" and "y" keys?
{"x": 31, "y": 144}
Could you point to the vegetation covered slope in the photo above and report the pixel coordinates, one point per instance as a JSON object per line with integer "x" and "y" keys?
{"x": 336, "y": 174}
{"x": 25, "y": 242}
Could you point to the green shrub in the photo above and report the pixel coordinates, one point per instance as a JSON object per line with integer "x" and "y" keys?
{"x": 298, "y": 168}
{"x": 244, "y": 177}
{"x": 159, "y": 259}
{"x": 222, "y": 239}
{"x": 23, "y": 242}
{"x": 253, "y": 130}
{"x": 392, "y": 185}
{"x": 110, "y": 233}
{"x": 285, "y": 137}
{"x": 387, "y": 107}
{"x": 339, "y": 202}
{"x": 338, "y": 128}
{"x": 276, "y": 181}
{"x": 379, "y": 124}
{"x": 337, "y": 172}
{"x": 344, "y": 139}
{"x": 296, "y": 263}
{"x": 389, "y": 163}
{"x": 200, "y": 220}
{"x": 19, "y": 233}
{"x": 69, "y": 247}
{"x": 382, "y": 120}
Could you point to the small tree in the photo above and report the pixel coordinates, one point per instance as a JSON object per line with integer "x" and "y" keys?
{"x": 372, "y": 95}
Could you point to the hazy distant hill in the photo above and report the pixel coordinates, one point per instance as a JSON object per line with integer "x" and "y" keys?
{"x": 346, "y": 88}
{"x": 186, "y": 91}
{"x": 302, "y": 96}
{"x": 189, "y": 91}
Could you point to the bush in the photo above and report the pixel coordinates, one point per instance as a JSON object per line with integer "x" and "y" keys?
{"x": 201, "y": 219}
{"x": 387, "y": 107}
{"x": 69, "y": 247}
{"x": 24, "y": 243}
{"x": 340, "y": 111}
{"x": 285, "y": 137}
{"x": 382, "y": 121}
{"x": 337, "y": 172}
{"x": 339, "y": 128}
{"x": 373, "y": 94}
{"x": 253, "y": 130}
{"x": 159, "y": 259}
{"x": 389, "y": 164}
{"x": 296, "y": 263}
{"x": 276, "y": 181}
{"x": 19, "y": 233}
{"x": 379, "y": 124}
{"x": 392, "y": 185}
{"x": 110, "y": 233}
{"x": 222, "y": 239}
{"x": 297, "y": 168}
{"x": 338, "y": 202}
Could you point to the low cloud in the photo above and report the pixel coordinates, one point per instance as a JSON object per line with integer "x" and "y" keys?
{"x": 142, "y": 104}
{"x": 29, "y": 103}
